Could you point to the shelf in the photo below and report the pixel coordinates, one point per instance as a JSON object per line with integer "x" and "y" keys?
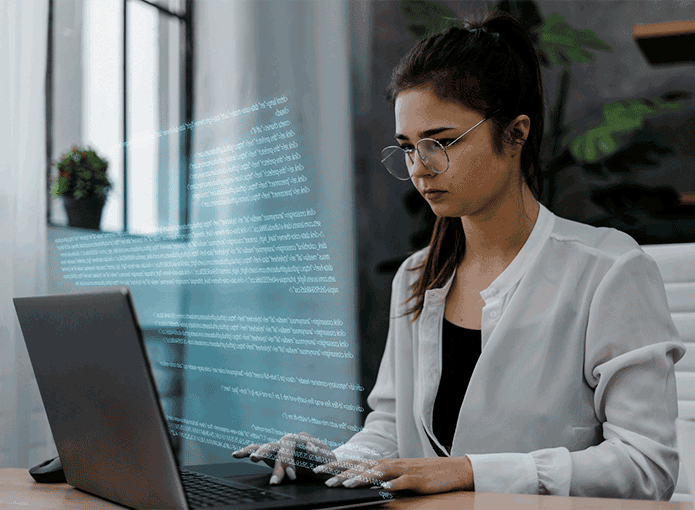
{"x": 667, "y": 43}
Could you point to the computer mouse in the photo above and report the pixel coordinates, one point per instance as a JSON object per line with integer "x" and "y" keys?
{"x": 50, "y": 471}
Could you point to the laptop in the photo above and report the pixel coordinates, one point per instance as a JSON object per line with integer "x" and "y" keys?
{"x": 97, "y": 387}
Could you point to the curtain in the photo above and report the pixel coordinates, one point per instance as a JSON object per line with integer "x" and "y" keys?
{"x": 25, "y": 438}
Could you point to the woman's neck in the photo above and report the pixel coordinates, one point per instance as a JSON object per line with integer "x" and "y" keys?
{"x": 498, "y": 234}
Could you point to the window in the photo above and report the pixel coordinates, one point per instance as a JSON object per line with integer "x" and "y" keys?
{"x": 120, "y": 82}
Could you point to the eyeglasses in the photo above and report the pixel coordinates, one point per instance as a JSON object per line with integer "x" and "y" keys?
{"x": 400, "y": 162}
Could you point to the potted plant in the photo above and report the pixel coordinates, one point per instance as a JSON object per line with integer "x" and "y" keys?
{"x": 84, "y": 185}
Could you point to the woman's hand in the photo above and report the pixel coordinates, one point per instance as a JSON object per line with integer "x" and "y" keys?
{"x": 293, "y": 454}
{"x": 424, "y": 476}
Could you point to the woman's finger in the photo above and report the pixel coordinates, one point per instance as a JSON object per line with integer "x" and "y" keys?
{"x": 344, "y": 465}
{"x": 279, "y": 471}
{"x": 268, "y": 451}
{"x": 410, "y": 482}
{"x": 285, "y": 460}
{"x": 397, "y": 484}
{"x": 245, "y": 451}
{"x": 335, "y": 467}
{"x": 303, "y": 452}
{"x": 284, "y": 463}
{"x": 418, "y": 484}
{"x": 318, "y": 444}
{"x": 358, "y": 474}
{"x": 313, "y": 456}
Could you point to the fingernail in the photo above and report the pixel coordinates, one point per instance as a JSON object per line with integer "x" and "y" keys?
{"x": 319, "y": 469}
{"x": 290, "y": 472}
{"x": 332, "y": 482}
{"x": 386, "y": 485}
{"x": 274, "y": 480}
{"x": 376, "y": 487}
{"x": 350, "y": 483}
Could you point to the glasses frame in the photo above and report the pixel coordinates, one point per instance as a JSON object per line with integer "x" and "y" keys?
{"x": 424, "y": 158}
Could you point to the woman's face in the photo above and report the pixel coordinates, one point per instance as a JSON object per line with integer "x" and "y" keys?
{"x": 478, "y": 178}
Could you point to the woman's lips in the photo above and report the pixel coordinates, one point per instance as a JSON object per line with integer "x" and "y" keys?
{"x": 434, "y": 194}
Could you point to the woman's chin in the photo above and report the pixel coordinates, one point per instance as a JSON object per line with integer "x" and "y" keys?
{"x": 443, "y": 210}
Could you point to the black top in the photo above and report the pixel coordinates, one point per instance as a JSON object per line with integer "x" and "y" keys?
{"x": 460, "y": 352}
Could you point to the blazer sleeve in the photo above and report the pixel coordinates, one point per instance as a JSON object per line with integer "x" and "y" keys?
{"x": 631, "y": 347}
{"x": 378, "y": 438}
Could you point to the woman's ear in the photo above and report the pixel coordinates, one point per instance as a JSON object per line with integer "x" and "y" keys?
{"x": 516, "y": 133}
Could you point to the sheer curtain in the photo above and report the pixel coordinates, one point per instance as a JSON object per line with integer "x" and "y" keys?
{"x": 25, "y": 437}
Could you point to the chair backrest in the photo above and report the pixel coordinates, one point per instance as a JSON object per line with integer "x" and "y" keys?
{"x": 677, "y": 266}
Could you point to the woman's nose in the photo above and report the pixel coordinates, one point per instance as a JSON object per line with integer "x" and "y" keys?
{"x": 419, "y": 168}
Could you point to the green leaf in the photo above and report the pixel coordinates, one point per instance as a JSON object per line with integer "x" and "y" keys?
{"x": 554, "y": 57}
{"x": 618, "y": 119}
{"x": 563, "y": 44}
{"x": 589, "y": 38}
{"x": 580, "y": 55}
{"x": 577, "y": 148}
{"x": 427, "y": 17}
{"x": 59, "y": 187}
{"x": 606, "y": 144}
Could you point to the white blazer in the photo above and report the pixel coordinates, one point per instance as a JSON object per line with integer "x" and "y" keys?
{"x": 574, "y": 392}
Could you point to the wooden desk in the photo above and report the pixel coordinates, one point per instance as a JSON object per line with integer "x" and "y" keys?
{"x": 18, "y": 490}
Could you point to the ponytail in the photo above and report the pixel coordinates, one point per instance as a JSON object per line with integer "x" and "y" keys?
{"x": 530, "y": 95}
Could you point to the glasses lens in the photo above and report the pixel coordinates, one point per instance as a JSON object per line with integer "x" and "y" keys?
{"x": 396, "y": 162}
{"x": 433, "y": 155}
{"x": 400, "y": 164}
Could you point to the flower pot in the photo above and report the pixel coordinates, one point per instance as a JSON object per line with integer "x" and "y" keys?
{"x": 84, "y": 212}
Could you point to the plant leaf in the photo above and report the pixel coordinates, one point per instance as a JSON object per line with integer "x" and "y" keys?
{"x": 427, "y": 17}
{"x": 580, "y": 55}
{"x": 563, "y": 44}
{"x": 605, "y": 143}
{"x": 618, "y": 119}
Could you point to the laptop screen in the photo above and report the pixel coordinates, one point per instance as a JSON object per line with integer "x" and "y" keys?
{"x": 101, "y": 402}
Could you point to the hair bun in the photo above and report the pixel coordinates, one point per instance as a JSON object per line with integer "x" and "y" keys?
{"x": 483, "y": 30}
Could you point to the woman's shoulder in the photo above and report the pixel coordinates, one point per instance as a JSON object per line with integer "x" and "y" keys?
{"x": 415, "y": 259}
{"x": 409, "y": 270}
{"x": 602, "y": 242}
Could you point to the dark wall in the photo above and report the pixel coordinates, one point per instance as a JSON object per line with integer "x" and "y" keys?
{"x": 391, "y": 218}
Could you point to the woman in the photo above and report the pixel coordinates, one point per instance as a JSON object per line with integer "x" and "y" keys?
{"x": 526, "y": 353}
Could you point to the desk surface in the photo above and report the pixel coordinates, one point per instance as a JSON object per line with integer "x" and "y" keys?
{"x": 18, "y": 490}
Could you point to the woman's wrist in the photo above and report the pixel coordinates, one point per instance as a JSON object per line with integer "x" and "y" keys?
{"x": 464, "y": 469}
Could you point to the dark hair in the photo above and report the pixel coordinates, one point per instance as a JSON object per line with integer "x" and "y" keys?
{"x": 485, "y": 66}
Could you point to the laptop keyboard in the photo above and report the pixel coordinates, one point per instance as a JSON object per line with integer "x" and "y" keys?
{"x": 205, "y": 491}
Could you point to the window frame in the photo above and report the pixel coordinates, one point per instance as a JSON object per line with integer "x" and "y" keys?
{"x": 185, "y": 109}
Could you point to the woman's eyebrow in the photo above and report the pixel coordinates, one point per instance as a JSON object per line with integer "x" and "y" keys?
{"x": 425, "y": 134}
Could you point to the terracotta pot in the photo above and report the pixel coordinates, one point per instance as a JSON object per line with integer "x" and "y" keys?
{"x": 84, "y": 212}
